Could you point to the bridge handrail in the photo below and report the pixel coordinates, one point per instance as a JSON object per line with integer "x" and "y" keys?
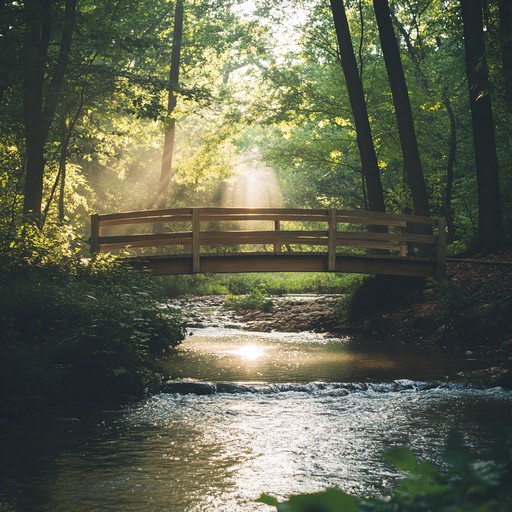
{"x": 375, "y": 237}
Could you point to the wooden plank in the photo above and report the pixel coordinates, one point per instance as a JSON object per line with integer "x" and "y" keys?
{"x": 147, "y": 239}
{"x": 348, "y": 236}
{"x": 144, "y": 213}
{"x": 287, "y": 263}
{"x": 264, "y": 263}
{"x": 264, "y": 217}
{"x": 362, "y": 244}
{"x": 309, "y": 241}
{"x": 376, "y": 216}
{"x": 286, "y": 211}
{"x": 148, "y": 220}
{"x": 196, "y": 240}
{"x": 270, "y": 236}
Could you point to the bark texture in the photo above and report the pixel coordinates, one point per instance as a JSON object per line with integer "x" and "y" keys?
{"x": 369, "y": 163}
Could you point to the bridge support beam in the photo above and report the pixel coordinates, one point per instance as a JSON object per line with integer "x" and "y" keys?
{"x": 196, "y": 241}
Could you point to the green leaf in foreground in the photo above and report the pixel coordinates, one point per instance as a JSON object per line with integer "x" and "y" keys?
{"x": 331, "y": 500}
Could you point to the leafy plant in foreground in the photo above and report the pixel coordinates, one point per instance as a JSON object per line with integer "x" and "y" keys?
{"x": 75, "y": 330}
{"x": 460, "y": 485}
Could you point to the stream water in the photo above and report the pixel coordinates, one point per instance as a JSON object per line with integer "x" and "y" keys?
{"x": 284, "y": 413}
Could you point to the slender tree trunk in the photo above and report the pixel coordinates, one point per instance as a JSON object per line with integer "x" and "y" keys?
{"x": 402, "y": 105}
{"x": 450, "y": 175}
{"x": 36, "y": 39}
{"x": 170, "y": 132}
{"x": 490, "y": 234}
{"x": 357, "y": 101}
{"x": 505, "y": 9}
{"x": 38, "y": 110}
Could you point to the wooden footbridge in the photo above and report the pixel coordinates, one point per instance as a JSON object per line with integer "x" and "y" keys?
{"x": 223, "y": 240}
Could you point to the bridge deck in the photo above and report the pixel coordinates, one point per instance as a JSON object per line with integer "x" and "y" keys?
{"x": 294, "y": 262}
{"x": 174, "y": 241}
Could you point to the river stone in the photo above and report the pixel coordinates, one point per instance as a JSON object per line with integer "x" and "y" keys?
{"x": 187, "y": 388}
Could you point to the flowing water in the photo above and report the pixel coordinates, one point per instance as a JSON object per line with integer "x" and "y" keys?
{"x": 281, "y": 414}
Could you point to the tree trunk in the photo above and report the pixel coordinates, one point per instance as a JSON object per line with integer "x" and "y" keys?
{"x": 38, "y": 114}
{"x": 450, "y": 175}
{"x": 356, "y": 95}
{"x": 36, "y": 39}
{"x": 170, "y": 132}
{"x": 416, "y": 59}
{"x": 402, "y": 105}
{"x": 490, "y": 235}
{"x": 505, "y": 9}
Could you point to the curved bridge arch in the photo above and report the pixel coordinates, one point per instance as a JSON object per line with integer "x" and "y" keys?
{"x": 224, "y": 240}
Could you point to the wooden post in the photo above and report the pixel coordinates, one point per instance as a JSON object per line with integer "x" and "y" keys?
{"x": 277, "y": 245}
{"x": 331, "y": 247}
{"x": 403, "y": 247}
{"x": 441, "y": 248}
{"x": 95, "y": 234}
{"x": 196, "y": 242}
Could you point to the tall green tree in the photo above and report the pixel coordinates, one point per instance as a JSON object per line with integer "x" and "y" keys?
{"x": 505, "y": 14}
{"x": 170, "y": 129}
{"x": 367, "y": 153}
{"x": 402, "y": 105}
{"x": 491, "y": 234}
{"x": 42, "y": 83}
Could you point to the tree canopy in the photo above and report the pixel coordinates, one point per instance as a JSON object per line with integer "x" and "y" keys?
{"x": 261, "y": 90}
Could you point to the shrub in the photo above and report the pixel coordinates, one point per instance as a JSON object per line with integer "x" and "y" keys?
{"x": 257, "y": 299}
{"x": 76, "y": 330}
{"x": 460, "y": 485}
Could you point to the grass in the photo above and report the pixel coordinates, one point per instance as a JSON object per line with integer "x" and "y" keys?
{"x": 268, "y": 283}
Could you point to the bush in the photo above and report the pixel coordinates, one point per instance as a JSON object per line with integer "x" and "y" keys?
{"x": 73, "y": 330}
{"x": 243, "y": 284}
{"x": 460, "y": 485}
{"x": 257, "y": 299}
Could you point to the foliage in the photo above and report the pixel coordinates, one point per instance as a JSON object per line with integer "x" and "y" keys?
{"x": 244, "y": 92}
{"x": 257, "y": 299}
{"x": 74, "y": 330}
{"x": 272, "y": 283}
{"x": 460, "y": 485}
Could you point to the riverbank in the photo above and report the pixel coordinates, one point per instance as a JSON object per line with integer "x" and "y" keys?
{"x": 470, "y": 311}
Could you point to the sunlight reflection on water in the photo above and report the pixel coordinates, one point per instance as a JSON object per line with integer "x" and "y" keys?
{"x": 286, "y": 434}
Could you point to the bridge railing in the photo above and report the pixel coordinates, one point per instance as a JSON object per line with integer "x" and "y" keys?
{"x": 201, "y": 231}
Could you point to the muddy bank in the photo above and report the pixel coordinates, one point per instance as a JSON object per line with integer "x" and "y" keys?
{"x": 288, "y": 314}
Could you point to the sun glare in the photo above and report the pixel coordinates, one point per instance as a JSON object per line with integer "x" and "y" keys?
{"x": 250, "y": 352}
{"x": 253, "y": 185}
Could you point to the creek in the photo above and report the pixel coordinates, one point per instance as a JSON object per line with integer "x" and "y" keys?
{"x": 283, "y": 413}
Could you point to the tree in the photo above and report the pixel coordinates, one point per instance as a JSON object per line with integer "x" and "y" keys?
{"x": 40, "y": 94}
{"x": 170, "y": 132}
{"x": 505, "y": 13}
{"x": 357, "y": 101}
{"x": 491, "y": 234}
{"x": 402, "y": 105}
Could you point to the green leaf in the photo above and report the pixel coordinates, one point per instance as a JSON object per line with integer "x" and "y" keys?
{"x": 268, "y": 500}
{"x": 331, "y": 500}
{"x": 456, "y": 452}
